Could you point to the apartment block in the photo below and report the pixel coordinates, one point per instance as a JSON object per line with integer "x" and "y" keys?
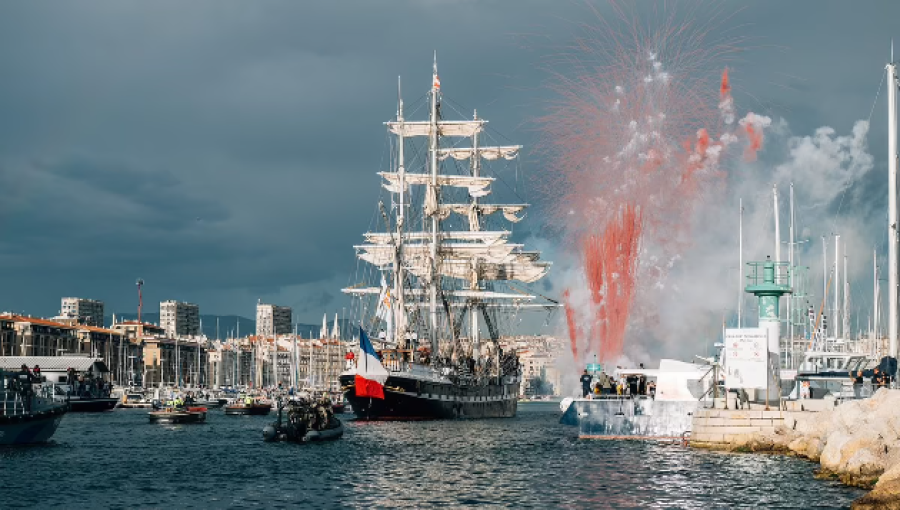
{"x": 272, "y": 320}
{"x": 88, "y": 312}
{"x": 179, "y": 319}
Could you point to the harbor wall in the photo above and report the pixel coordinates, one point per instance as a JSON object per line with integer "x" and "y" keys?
{"x": 857, "y": 442}
{"x": 723, "y": 426}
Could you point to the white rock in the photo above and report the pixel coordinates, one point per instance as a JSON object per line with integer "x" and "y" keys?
{"x": 864, "y": 463}
{"x": 890, "y": 474}
{"x": 830, "y": 458}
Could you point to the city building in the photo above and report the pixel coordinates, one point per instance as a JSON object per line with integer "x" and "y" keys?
{"x": 179, "y": 319}
{"x": 32, "y": 336}
{"x": 7, "y": 335}
{"x": 272, "y": 320}
{"x": 88, "y": 312}
{"x": 174, "y": 362}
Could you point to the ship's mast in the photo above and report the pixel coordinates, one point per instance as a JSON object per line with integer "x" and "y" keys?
{"x": 400, "y": 310}
{"x": 433, "y": 153}
{"x": 475, "y": 225}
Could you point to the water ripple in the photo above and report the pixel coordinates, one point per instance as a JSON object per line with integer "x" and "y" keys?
{"x": 119, "y": 460}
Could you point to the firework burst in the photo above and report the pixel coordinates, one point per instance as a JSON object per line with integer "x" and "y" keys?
{"x": 639, "y": 132}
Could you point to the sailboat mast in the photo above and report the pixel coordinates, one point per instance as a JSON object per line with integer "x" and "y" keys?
{"x": 824, "y": 310}
{"x": 433, "y": 153}
{"x": 892, "y": 205}
{"x": 777, "y": 226}
{"x": 846, "y": 313}
{"x": 792, "y": 264}
{"x": 835, "y": 311}
{"x": 874, "y": 294}
{"x": 741, "y": 263}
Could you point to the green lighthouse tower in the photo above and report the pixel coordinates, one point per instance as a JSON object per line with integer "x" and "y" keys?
{"x": 768, "y": 281}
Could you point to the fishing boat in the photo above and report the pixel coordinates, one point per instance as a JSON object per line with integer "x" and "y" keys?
{"x": 28, "y": 413}
{"x": 303, "y": 421}
{"x": 176, "y": 415}
{"x": 453, "y": 274}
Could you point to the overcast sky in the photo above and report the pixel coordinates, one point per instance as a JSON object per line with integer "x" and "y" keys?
{"x": 225, "y": 151}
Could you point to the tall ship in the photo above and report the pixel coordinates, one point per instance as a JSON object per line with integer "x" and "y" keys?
{"x": 441, "y": 280}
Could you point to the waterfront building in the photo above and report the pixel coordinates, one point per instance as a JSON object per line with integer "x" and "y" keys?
{"x": 116, "y": 350}
{"x": 7, "y": 335}
{"x": 230, "y": 363}
{"x": 86, "y": 311}
{"x": 134, "y": 330}
{"x": 32, "y": 336}
{"x": 179, "y": 319}
{"x": 273, "y": 320}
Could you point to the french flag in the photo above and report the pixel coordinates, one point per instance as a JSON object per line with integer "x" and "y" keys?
{"x": 370, "y": 374}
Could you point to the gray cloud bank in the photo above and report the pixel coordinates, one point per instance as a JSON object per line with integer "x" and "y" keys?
{"x": 225, "y": 151}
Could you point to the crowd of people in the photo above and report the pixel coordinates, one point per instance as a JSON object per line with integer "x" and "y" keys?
{"x": 87, "y": 384}
{"x": 603, "y": 384}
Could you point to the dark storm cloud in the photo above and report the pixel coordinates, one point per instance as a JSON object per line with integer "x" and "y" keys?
{"x": 225, "y": 151}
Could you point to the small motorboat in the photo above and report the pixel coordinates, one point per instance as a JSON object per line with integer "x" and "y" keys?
{"x": 178, "y": 415}
{"x": 135, "y": 401}
{"x": 305, "y": 421}
{"x": 255, "y": 407}
{"x": 212, "y": 403}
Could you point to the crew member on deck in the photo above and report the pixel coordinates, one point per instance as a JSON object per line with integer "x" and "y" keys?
{"x": 585, "y": 383}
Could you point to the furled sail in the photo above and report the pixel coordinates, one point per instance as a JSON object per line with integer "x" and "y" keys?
{"x": 463, "y": 128}
{"x": 473, "y": 211}
{"x": 489, "y": 153}
{"x": 485, "y": 237}
{"x": 520, "y": 269}
{"x": 477, "y": 186}
{"x": 463, "y": 294}
{"x": 382, "y": 255}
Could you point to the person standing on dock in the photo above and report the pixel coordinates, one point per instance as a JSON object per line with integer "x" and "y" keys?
{"x": 857, "y": 383}
{"x": 586, "y": 383}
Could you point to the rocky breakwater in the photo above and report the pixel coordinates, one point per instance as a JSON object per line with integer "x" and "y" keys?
{"x": 857, "y": 442}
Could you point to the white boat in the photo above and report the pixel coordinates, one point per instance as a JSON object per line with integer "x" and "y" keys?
{"x": 680, "y": 387}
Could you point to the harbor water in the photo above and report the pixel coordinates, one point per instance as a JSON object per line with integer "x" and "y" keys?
{"x": 120, "y": 460}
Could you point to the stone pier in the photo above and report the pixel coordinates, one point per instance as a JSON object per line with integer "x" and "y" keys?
{"x": 733, "y": 426}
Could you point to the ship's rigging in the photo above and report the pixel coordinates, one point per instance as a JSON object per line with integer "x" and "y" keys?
{"x": 445, "y": 276}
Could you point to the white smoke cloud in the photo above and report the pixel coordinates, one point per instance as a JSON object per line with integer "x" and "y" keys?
{"x": 683, "y": 313}
{"x": 685, "y": 316}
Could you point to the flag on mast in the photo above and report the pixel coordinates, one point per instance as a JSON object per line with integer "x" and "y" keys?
{"x": 370, "y": 374}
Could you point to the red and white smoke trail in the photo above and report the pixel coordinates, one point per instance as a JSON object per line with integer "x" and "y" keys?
{"x": 637, "y": 135}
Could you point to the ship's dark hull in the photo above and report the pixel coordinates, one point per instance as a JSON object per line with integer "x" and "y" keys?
{"x": 407, "y": 398}
{"x": 255, "y": 409}
{"x": 92, "y": 405}
{"x": 30, "y": 428}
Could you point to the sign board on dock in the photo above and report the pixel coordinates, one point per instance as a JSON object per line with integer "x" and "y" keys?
{"x": 746, "y": 355}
